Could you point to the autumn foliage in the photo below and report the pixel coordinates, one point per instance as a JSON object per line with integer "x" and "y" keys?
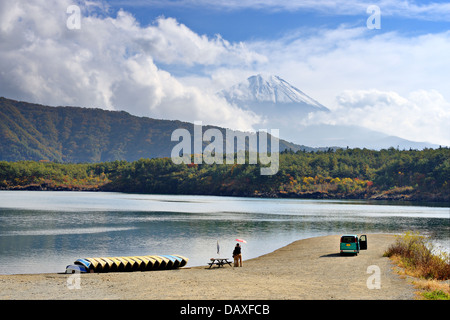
{"x": 342, "y": 173}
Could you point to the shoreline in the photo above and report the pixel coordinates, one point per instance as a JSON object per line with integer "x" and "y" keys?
{"x": 310, "y": 268}
{"x": 400, "y": 198}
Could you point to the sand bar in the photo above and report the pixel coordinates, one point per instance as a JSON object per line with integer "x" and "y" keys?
{"x": 305, "y": 269}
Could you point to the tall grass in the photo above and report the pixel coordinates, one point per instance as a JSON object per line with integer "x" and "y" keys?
{"x": 418, "y": 256}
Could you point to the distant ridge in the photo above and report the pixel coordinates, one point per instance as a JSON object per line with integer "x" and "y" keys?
{"x": 74, "y": 134}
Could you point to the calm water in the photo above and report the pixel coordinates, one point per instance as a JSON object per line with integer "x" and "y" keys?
{"x": 45, "y": 231}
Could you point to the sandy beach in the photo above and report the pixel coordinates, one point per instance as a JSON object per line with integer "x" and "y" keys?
{"x": 306, "y": 269}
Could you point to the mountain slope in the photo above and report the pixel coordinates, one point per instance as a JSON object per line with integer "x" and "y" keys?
{"x": 354, "y": 137}
{"x": 272, "y": 98}
{"x": 270, "y": 89}
{"x": 284, "y": 107}
{"x": 73, "y": 134}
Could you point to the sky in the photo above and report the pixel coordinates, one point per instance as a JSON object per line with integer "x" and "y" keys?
{"x": 386, "y": 68}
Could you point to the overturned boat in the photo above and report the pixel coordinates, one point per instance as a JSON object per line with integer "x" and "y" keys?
{"x": 127, "y": 264}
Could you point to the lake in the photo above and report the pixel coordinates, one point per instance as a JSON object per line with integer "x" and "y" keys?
{"x": 43, "y": 231}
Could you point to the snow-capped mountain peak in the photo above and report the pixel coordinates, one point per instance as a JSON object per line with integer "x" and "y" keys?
{"x": 268, "y": 89}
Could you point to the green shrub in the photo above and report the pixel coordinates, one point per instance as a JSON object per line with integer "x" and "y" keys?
{"x": 417, "y": 254}
{"x": 436, "y": 295}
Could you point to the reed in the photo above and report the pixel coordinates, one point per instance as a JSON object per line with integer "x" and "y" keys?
{"x": 417, "y": 255}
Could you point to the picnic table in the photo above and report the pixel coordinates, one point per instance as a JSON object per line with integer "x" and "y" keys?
{"x": 219, "y": 262}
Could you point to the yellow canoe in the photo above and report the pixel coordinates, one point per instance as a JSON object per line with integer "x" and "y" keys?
{"x": 132, "y": 263}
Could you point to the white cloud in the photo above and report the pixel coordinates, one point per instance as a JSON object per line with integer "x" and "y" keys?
{"x": 436, "y": 11}
{"x": 421, "y": 116}
{"x": 171, "y": 42}
{"x": 327, "y": 64}
{"x": 385, "y": 81}
{"x": 110, "y": 63}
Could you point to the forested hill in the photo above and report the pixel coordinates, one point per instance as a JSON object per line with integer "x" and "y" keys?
{"x": 73, "y": 134}
{"x": 121, "y": 152}
{"x": 341, "y": 174}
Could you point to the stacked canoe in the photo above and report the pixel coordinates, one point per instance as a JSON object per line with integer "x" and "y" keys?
{"x": 128, "y": 264}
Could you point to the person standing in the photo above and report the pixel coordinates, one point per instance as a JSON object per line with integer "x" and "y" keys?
{"x": 237, "y": 255}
